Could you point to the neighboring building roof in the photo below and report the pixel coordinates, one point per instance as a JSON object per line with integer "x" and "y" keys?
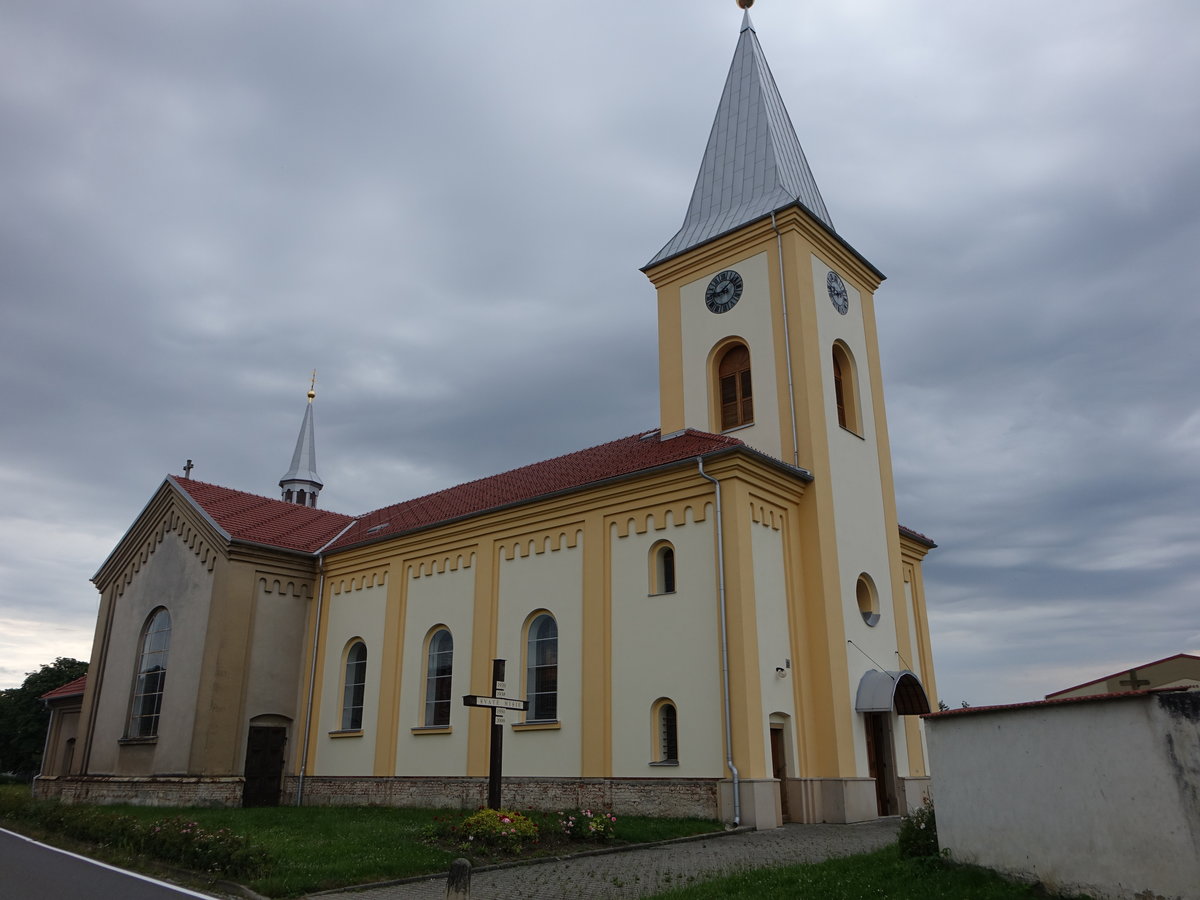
{"x": 1122, "y": 672}
{"x": 753, "y": 164}
{"x": 70, "y": 689}
{"x": 627, "y": 456}
{"x": 262, "y": 520}
{"x": 1035, "y": 704}
{"x": 304, "y": 458}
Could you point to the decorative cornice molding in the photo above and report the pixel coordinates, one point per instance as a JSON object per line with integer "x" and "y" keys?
{"x": 440, "y": 564}
{"x": 285, "y": 587}
{"x": 172, "y": 522}
{"x": 359, "y": 581}
{"x": 668, "y": 515}
{"x": 552, "y": 541}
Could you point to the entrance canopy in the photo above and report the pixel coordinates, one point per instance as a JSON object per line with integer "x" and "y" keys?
{"x": 887, "y": 691}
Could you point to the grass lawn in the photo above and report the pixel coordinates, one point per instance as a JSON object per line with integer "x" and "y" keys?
{"x": 319, "y": 848}
{"x": 882, "y": 874}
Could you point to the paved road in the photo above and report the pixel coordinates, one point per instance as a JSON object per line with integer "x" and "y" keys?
{"x": 33, "y": 871}
{"x": 639, "y": 873}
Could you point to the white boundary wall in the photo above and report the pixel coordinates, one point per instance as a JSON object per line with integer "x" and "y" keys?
{"x": 1095, "y": 794}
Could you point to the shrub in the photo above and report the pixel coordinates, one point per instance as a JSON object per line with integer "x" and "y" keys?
{"x": 918, "y": 833}
{"x": 175, "y": 840}
{"x": 588, "y": 825}
{"x": 499, "y": 829}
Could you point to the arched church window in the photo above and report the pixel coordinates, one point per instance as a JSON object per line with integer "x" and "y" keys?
{"x": 438, "y": 674}
{"x": 666, "y": 723}
{"x": 662, "y": 568}
{"x": 845, "y": 389}
{"x": 354, "y": 687}
{"x": 151, "y": 675}
{"x": 541, "y": 669}
{"x": 735, "y": 392}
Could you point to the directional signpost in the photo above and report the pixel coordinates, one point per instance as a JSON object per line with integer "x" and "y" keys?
{"x": 497, "y": 703}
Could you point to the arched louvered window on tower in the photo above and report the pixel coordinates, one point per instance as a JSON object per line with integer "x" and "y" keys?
{"x": 735, "y": 390}
{"x": 845, "y": 389}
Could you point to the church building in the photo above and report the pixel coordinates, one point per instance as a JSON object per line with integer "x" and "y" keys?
{"x": 719, "y": 617}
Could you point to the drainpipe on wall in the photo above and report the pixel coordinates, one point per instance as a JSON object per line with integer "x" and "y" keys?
{"x": 737, "y": 788}
{"x": 312, "y": 672}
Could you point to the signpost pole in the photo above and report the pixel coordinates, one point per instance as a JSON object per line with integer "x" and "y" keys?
{"x": 498, "y": 702}
{"x": 497, "y": 753}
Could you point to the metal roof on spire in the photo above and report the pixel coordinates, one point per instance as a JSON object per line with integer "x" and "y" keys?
{"x": 753, "y": 164}
{"x": 304, "y": 458}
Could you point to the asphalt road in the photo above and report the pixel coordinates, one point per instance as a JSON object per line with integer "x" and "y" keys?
{"x": 33, "y": 871}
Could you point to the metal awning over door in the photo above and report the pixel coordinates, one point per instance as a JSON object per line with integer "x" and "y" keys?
{"x": 900, "y": 692}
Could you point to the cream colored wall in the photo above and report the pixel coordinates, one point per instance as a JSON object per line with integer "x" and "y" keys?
{"x": 859, "y": 502}
{"x": 551, "y": 580}
{"x": 749, "y": 320}
{"x": 281, "y": 606}
{"x": 436, "y": 598}
{"x": 774, "y": 637}
{"x": 666, "y": 646}
{"x": 173, "y": 577}
{"x": 356, "y": 613}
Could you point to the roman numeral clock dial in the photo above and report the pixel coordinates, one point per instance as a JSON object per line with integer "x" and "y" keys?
{"x": 723, "y": 291}
{"x": 838, "y": 295}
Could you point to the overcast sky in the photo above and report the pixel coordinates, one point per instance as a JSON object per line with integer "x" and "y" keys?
{"x": 443, "y": 208}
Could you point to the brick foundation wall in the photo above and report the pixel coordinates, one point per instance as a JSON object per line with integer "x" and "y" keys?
{"x": 681, "y": 797}
{"x": 159, "y": 791}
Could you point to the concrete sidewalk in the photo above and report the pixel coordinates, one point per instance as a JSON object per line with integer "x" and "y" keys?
{"x": 642, "y": 872}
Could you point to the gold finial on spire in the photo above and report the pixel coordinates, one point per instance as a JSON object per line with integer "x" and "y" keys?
{"x": 745, "y": 4}
{"x": 312, "y": 387}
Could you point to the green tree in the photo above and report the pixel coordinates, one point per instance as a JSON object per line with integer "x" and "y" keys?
{"x": 23, "y": 717}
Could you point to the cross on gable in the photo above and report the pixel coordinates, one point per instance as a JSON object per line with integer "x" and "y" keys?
{"x": 1133, "y": 681}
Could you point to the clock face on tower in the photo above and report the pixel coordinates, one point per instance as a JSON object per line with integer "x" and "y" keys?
{"x": 723, "y": 291}
{"x": 838, "y": 295}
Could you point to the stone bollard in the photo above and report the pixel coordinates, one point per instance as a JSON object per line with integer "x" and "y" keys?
{"x": 458, "y": 882}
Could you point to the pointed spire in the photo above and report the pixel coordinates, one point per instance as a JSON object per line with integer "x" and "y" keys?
{"x": 302, "y": 484}
{"x": 753, "y": 164}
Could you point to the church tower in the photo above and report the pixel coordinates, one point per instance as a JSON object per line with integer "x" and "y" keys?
{"x": 767, "y": 333}
{"x": 302, "y": 484}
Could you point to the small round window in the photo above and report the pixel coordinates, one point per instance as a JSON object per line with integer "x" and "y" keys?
{"x": 868, "y": 600}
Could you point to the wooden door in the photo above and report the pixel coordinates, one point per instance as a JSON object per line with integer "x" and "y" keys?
{"x": 879, "y": 760}
{"x": 264, "y": 765}
{"x": 779, "y": 769}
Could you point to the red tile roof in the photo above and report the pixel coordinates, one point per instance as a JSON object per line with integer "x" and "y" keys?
{"x": 249, "y": 517}
{"x": 261, "y": 520}
{"x": 636, "y": 453}
{"x": 70, "y": 689}
{"x": 1037, "y": 704}
{"x": 918, "y": 537}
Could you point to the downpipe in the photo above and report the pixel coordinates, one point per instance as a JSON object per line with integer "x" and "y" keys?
{"x": 737, "y": 787}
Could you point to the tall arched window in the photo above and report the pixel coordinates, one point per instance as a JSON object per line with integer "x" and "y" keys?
{"x": 735, "y": 393}
{"x": 667, "y": 723}
{"x": 438, "y": 672}
{"x": 845, "y": 389}
{"x": 662, "y": 568}
{"x": 151, "y": 675}
{"x": 355, "y": 687}
{"x": 541, "y": 669}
